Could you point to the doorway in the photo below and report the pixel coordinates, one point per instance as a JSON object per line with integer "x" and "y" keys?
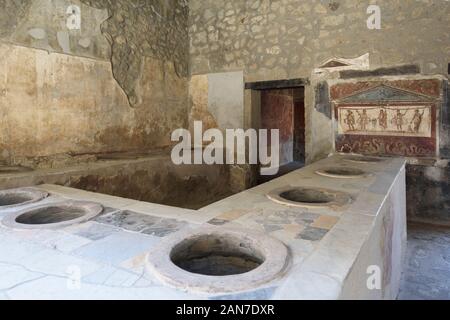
{"x": 284, "y": 109}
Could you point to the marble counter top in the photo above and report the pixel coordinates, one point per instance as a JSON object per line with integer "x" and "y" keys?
{"x": 105, "y": 257}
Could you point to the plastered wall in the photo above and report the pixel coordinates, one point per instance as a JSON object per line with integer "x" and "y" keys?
{"x": 118, "y": 83}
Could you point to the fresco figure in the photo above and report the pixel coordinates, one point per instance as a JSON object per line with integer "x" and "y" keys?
{"x": 399, "y": 120}
{"x": 363, "y": 120}
{"x": 383, "y": 119}
{"x": 350, "y": 120}
{"x": 374, "y": 123}
{"x": 417, "y": 120}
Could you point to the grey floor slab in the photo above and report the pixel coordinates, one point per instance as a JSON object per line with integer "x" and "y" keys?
{"x": 427, "y": 269}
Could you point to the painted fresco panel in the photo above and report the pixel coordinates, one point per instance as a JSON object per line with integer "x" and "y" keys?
{"x": 381, "y": 145}
{"x": 387, "y": 117}
{"x": 277, "y": 112}
{"x": 410, "y": 121}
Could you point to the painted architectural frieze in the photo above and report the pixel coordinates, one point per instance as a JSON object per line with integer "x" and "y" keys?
{"x": 412, "y": 121}
{"x": 387, "y": 118}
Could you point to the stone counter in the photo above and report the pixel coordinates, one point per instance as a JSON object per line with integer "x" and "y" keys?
{"x": 331, "y": 250}
{"x": 150, "y": 178}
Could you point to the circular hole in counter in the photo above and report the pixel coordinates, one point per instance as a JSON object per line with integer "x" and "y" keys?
{"x": 20, "y": 197}
{"x": 303, "y": 195}
{"x": 218, "y": 260}
{"x": 215, "y": 255}
{"x": 342, "y": 172}
{"x": 363, "y": 159}
{"x": 309, "y": 197}
{"x": 13, "y": 199}
{"x": 53, "y": 215}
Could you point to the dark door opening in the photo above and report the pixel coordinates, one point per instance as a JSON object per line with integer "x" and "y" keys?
{"x": 284, "y": 109}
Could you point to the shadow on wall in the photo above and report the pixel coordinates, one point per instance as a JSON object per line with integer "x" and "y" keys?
{"x": 186, "y": 187}
{"x": 428, "y": 194}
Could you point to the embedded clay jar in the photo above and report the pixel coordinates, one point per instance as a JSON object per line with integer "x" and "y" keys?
{"x": 53, "y": 215}
{"x": 343, "y": 173}
{"x": 309, "y": 197}
{"x": 218, "y": 260}
{"x": 20, "y": 197}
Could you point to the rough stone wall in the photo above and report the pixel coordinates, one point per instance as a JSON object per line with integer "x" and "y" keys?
{"x": 11, "y": 12}
{"x": 278, "y": 39}
{"x": 281, "y": 39}
{"x": 118, "y": 84}
{"x": 286, "y": 39}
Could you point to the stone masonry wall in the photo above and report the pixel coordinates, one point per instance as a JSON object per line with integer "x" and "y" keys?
{"x": 278, "y": 39}
{"x": 284, "y": 39}
{"x": 42, "y": 24}
{"x": 287, "y": 39}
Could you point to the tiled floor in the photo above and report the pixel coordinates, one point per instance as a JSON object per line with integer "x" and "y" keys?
{"x": 427, "y": 269}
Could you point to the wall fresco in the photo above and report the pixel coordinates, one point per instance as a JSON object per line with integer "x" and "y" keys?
{"x": 414, "y": 121}
{"x": 396, "y": 146}
{"x": 277, "y": 112}
{"x": 387, "y": 118}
